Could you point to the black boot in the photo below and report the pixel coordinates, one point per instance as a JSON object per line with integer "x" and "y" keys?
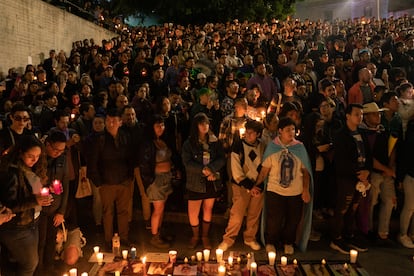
{"x": 195, "y": 238}
{"x": 204, "y": 235}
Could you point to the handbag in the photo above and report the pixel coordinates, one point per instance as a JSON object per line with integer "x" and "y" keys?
{"x": 84, "y": 188}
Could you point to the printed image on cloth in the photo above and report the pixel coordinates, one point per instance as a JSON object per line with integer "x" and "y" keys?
{"x": 287, "y": 164}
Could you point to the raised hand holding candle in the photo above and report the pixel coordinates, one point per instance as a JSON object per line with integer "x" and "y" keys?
{"x": 283, "y": 260}
{"x": 272, "y": 257}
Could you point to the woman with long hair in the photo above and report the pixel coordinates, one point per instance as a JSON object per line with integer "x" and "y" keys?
{"x": 155, "y": 171}
{"x": 203, "y": 158}
{"x": 22, "y": 172}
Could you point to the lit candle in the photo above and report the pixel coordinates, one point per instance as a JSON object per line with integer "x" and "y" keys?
{"x": 44, "y": 191}
{"x": 99, "y": 257}
{"x": 242, "y": 131}
{"x": 221, "y": 270}
{"x": 263, "y": 113}
{"x": 185, "y": 260}
{"x": 199, "y": 256}
{"x": 173, "y": 256}
{"x": 144, "y": 259}
{"x": 124, "y": 254}
{"x": 96, "y": 249}
{"x": 84, "y": 274}
{"x": 283, "y": 260}
{"x": 272, "y": 257}
{"x": 133, "y": 253}
{"x": 65, "y": 274}
{"x": 230, "y": 260}
{"x": 117, "y": 273}
{"x": 72, "y": 116}
{"x": 238, "y": 260}
{"x": 323, "y": 262}
{"x": 206, "y": 253}
{"x": 345, "y": 266}
{"x": 295, "y": 262}
{"x": 253, "y": 269}
{"x": 73, "y": 272}
{"x": 57, "y": 187}
{"x": 193, "y": 258}
{"x": 353, "y": 255}
{"x": 219, "y": 255}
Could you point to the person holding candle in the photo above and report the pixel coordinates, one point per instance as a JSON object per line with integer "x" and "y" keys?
{"x": 155, "y": 171}
{"x": 22, "y": 172}
{"x": 246, "y": 157}
{"x": 203, "y": 158}
{"x": 52, "y": 216}
{"x": 287, "y": 173}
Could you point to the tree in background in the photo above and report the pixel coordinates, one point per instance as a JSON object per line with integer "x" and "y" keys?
{"x": 198, "y": 12}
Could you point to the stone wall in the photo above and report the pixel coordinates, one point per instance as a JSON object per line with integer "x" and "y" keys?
{"x": 30, "y": 28}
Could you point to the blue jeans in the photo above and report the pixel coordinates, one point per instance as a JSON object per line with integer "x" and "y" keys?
{"x": 22, "y": 244}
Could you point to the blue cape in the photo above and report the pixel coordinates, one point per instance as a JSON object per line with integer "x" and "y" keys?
{"x": 305, "y": 225}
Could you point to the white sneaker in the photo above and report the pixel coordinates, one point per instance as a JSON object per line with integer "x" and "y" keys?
{"x": 289, "y": 250}
{"x": 223, "y": 246}
{"x": 270, "y": 248}
{"x": 253, "y": 245}
{"x": 406, "y": 241}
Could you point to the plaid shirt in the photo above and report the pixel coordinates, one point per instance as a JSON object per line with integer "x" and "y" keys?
{"x": 229, "y": 130}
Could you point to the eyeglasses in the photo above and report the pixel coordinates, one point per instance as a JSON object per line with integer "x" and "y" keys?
{"x": 56, "y": 149}
{"x": 19, "y": 118}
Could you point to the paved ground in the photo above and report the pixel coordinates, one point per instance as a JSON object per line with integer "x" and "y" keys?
{"x": 390, "y": 259}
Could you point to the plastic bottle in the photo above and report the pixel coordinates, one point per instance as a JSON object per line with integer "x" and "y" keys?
{"x": 116, "y": 245}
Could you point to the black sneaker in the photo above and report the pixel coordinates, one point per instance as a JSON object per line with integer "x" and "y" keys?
{"x": 340, "y": 246}
{"x": 357, "y": 244}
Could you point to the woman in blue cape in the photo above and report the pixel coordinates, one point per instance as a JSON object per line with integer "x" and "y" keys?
{"x": 288, "y": 187}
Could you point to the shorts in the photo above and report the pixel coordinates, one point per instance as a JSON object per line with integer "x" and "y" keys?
{"x": 161, "y": 188}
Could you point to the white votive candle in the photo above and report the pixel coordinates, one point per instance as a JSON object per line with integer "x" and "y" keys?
{"x": 73, "y": 272}
{"x": 124, "y": 254}
{"x": 96, "y": 249}
{"x": 199, "y": 256}
{"x": 230, "y": 260}
{"x": 133, "y": 253}
{"x": 253, "y": 269}
{"x": 219, "y": 255}
{"x": 173, "y": 255}
{"x": 117, "y": 273}
{"x": 295, "y": 262}
{"x": 283, "y": 260}
{"x": 84, "y": 274}
{"x": 353, "y": 255}
{"x": 99, "y": 258}
{"x": 323, "y": 262}
{"x": 272, "y": 257}
{"x": 221, "y": 270}
{"x": 206, "y": 253}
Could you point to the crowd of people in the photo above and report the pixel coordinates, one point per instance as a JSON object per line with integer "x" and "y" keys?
{"x": 297, "y": 120}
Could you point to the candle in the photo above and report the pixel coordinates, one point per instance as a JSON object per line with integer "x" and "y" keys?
{"x": 44, "y": 191}
{"x": 323, "y": 262}
{"x": 99, "y": 257}
{"x": 222, "y": 270}
{"x": 219, "y": 255}
{"x": 117, "y": 273}
{"x": 185, "y": 260}
{"x": 84, "y": 274}
{"x": 193, "y": 258}
{"x": 124, "y": 254}
{"x": 65, "y": 274}
{"x": 199, "y": 256}
{"x": 173, "y": 256}
{"x": 345, "y": 266}
{"x": 96, "y": 249}
{"x": 295, "y": 262}
{"x": 272, "y": 257}
{"x": 263, "y": 113}
{"x": 353, "y": 255}
{"x": 57, "y": 187}
{"x": 253, "y": 269}
{"x": 72, "y": 116}
{"x": 206, "y": 253}
{"x": 73, "y": 272}
{"x": 238, "y": 260}
{"x": 283, "y": 260}
{"x": 144, "y": 259}
{"x": 230, "y": 260}
{"x": 242, "y": 131}
{"x": 133, "y": 253}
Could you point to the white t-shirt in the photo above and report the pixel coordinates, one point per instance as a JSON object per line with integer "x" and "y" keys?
{"x": 274, "y": 162}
